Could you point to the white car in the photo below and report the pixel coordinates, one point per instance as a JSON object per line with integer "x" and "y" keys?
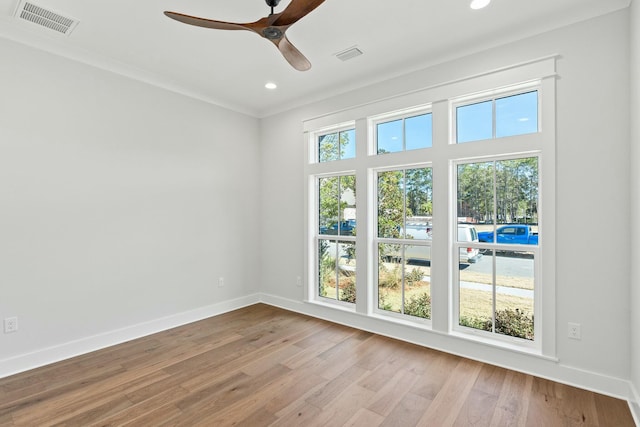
{"x": 466, "y": 233}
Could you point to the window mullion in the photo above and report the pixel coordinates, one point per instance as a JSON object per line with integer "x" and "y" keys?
{"x": 337, "y": 267}
{"x": 495, "y": 239}
{"x": 494, "y": 282}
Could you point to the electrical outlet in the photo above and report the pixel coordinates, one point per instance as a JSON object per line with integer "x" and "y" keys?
{"x": 221, "y": 282}
{"x": 10, "y": 325}
{"x": 299, "y": 281}
{"x": 574, "y": 331}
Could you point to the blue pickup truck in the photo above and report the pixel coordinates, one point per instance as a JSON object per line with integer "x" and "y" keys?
{"x": 518, "y": 234}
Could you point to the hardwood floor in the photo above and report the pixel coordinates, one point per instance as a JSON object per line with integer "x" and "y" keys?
{"x": 262, "y": 366}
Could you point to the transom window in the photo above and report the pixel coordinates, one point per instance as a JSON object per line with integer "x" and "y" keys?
{"x": 410, "y": 132}
{"x": 497, "y": 117}
{"x": 337, "y": 145}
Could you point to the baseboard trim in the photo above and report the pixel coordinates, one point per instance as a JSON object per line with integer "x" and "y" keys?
{"x": 634, "y": 403}
{"x": 521, "y": 362}
{"x": 46, "y": 356}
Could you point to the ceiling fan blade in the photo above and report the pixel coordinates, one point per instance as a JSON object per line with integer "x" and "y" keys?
{"x": 293, "y": 55}
{"x": 296, "y": 10}
{"x": 206, "y": 23}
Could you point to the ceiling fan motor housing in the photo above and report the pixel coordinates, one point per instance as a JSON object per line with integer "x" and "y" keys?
{"x": 272, "y": 33}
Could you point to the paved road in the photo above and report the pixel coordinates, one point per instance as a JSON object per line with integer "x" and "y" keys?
{"x": 505, "y": 266}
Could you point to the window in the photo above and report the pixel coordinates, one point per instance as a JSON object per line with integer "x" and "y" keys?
{"x": 405, "y": 133}
{"x": 337, "y": 145}
{"x": 496, "y": 118}
{"x": 452, "y": 232}
{"x": 336, "y": 243}
{"x": 404, "y": 200}
{"x": 497, "y": 295}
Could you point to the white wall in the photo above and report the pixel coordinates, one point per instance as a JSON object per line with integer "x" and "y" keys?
{"x": 592, "y": 198}
{"x": 120, "y": 204}
{"x": 635, "y": 199}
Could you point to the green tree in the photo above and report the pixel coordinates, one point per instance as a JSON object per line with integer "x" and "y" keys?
{"x": 329, "y": 203}
{"x": 419, "y": 191}
{"x": 333, "y": 201}
{"x": 332, "y": 146}
{"x": 516, "y": 186}
{"x": 390, "y": 203}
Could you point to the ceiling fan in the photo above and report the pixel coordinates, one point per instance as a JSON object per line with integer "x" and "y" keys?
{"x": 272, "y": 27}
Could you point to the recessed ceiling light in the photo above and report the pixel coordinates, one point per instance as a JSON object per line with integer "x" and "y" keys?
{"x": 479, "y": 4}
{"x": 271, "y": 85}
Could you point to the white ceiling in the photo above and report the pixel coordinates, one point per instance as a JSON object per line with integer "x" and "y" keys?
{"x": 230, "y": 68}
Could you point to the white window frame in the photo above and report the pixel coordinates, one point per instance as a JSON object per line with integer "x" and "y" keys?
{"x": 400, "y": 241}
{"x": 393, "y": 116}
{"x": 440, "y": 97}
{"x": 314, "y": 151}
{"x": 327, "y": 169}
{"x": 537, "y": 313}
{"x": 492, "y": 95}
{"x": 338, "y": 238}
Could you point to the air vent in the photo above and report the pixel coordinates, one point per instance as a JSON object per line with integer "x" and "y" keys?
{"x": 46, "y": 18}
{"x": 350, "y": 53}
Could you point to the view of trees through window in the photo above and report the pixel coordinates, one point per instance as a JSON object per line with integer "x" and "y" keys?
{"x": 337, "y": 145}
{"x": 500, "y": 199}
{"x": 405, "y": 210}
{"x": 336, "y": 249}
{"x": 514, "y": 184}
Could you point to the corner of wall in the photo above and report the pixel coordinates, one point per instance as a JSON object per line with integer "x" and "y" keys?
{"x": 634, "y": 52}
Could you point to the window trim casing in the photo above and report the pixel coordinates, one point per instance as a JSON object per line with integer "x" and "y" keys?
{"x": 536, "y": 344}
{"x": 542, "y": 70}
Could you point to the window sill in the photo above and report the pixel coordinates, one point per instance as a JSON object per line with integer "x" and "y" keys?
{"x": 337, "y": 305}
{"x": 422, "y": 325}
{"x": 503, "y": 345}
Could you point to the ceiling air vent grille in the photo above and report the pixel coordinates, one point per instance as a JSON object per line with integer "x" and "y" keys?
{"x": 46, "y": 18}
{"x": 350, "y": 53}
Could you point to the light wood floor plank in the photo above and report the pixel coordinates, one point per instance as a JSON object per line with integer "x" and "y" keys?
{"x": 393, "y": 392}
{"x": 513, "y": 401}
{"x": 364, "y": 418}
{"x": 446, "y": 406}
{"x": 264, "y": 366}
